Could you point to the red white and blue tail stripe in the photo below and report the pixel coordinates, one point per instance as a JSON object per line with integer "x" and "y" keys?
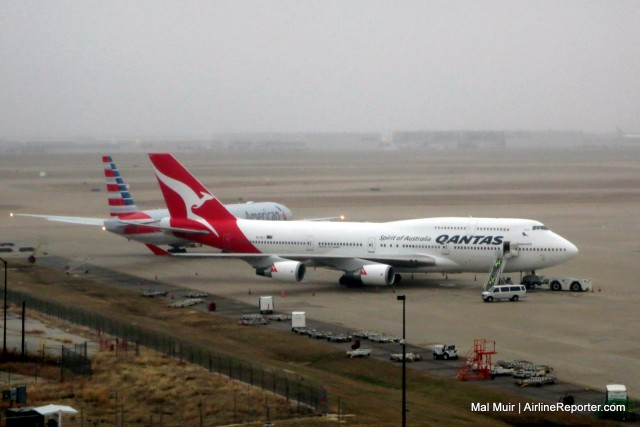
{"x": 120, "y": 201}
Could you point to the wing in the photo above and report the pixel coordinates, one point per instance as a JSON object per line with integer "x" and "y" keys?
{"x": 67, "y": 219}
{"x": 101, "y": 222}
{"x": 344, "y": 263}
{"x": 158, "y": 224}
{"x": 329, "y": 218}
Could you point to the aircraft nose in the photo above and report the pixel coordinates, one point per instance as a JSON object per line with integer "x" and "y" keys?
{"x": 572, "y": 250}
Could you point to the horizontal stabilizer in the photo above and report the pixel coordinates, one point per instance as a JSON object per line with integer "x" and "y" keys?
{"x": 68, "y": 219}
{"x": 329, "y": 218}
{"x": 157, "y": 250}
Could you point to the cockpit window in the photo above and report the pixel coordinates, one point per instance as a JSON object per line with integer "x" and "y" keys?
{"x": 540, "y": 227}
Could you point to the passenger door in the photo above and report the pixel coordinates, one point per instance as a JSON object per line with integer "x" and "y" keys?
{"x": 371, "y": 245}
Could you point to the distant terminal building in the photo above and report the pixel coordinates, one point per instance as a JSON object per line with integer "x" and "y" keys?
{"x": 451, "y": 139}
{"x": 488, "y": 139}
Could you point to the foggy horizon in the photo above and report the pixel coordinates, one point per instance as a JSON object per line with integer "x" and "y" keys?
{"x": 153, "y": 69}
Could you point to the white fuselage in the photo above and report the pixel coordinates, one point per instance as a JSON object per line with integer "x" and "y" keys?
{"x": 458, "y": 244}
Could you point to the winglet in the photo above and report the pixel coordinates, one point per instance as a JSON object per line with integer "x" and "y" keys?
{"x": 157, "y": 250}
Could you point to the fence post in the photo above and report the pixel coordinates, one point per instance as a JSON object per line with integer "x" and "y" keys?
{"x": 61, "y": 366}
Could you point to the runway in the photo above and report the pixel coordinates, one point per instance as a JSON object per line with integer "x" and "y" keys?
{"x": 588, "y": 196}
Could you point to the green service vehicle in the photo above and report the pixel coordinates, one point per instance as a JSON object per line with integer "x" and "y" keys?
{"x": 616, "y": 394}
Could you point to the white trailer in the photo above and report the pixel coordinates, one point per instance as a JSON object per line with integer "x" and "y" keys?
{"x": 360, "y": 352}
{"x": 265, "y": 305}
{"x": 410, "y": 357}
{"x": 298, "y": 319}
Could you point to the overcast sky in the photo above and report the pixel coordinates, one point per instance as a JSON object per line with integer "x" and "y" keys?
{"x": 156, "y": 68}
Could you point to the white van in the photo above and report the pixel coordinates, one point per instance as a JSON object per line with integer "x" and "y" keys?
{"x": 504, "y": 292}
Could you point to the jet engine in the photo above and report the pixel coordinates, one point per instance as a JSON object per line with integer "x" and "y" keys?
{"x": 287, "y": 271}
{"x": 377, "y": 274}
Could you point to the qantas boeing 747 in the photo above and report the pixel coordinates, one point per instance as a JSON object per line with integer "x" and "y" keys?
{"x": 366, "y": 253}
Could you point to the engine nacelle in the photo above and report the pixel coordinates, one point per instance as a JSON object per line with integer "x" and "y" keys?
{"x": 286, "y": 271}
{"x": 377, "y": 274}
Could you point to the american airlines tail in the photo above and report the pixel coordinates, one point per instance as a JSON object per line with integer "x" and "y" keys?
{"x": 120, "y": 200}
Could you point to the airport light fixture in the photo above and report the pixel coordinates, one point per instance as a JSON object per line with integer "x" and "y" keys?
{"x": 4, "y": 336}
{"x": 404, "y": 362}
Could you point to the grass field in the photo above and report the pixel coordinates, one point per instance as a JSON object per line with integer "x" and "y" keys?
{"x": 366, "y": 392}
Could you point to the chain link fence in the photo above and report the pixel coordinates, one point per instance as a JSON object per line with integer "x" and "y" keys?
{"x": 291, "y": 387}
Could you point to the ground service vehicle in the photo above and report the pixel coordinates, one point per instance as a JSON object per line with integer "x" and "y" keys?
{"x": 574, "y": 284}
{"x": 298, "y": 319}
{"x": 445, "y": 351}
{"x": 265, "y": 304}
{"x": 531, "y": 281}
{"x": 504, "y": 292}
{"x": 617, "y": 395}
{"x": 568, "y": 284}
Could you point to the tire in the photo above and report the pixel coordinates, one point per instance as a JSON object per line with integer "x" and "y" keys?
{"x": 556, "y": 286}
{"x": 514, "y": 298}
{"x": 489, "y": 299}
{"x": 575, "y": 286}
{"x": 445, "y": 356}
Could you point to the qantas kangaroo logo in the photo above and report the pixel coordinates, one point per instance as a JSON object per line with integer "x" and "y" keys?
{"x": 189, "y": 197}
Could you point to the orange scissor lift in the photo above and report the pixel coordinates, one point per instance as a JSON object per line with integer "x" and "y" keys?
{"x": 479, "y": 362}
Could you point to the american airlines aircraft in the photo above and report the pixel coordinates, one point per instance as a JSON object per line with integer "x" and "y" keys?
{"x": 366, "y": 253}
{"x": 133, "y": 224}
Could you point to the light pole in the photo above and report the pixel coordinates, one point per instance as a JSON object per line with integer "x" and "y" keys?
{"x": 4, "y": 336}
{"x": 404, "y": 363}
